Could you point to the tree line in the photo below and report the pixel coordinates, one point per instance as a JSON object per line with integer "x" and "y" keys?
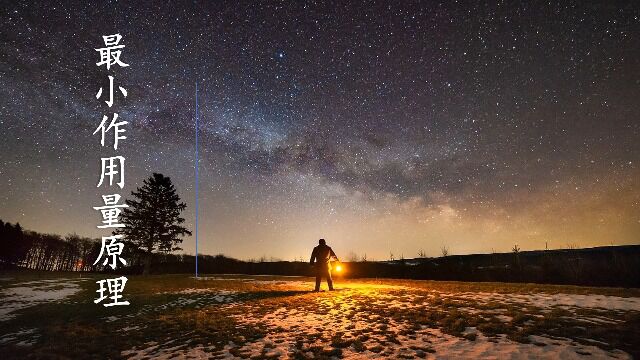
{"x": 48, "y": 252}
{"x": 603, "y": 266}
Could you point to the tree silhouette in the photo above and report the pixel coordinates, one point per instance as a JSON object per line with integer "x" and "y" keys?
{"x": 152, "y": 220}
{"x": 444, "y": 251}
{"x": 13, "y": 246}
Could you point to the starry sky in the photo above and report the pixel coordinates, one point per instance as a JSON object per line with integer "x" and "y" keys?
{"x": 384, "y": 127}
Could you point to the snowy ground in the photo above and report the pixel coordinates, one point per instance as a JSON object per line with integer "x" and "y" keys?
{"x": 238, "y": 316}
{"x": 26, "y": 294}
{"x": 351, "y": 320}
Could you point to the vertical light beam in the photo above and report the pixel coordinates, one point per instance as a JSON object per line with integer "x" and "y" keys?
{"x": 196, "y": 166}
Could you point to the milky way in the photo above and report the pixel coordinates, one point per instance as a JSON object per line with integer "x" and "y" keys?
{"x": 383, "y": 127}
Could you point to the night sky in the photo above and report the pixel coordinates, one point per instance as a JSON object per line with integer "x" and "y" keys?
{"x": 381, "y": 127}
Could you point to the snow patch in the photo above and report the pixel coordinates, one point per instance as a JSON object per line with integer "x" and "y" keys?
{"x": 27, "y": 294}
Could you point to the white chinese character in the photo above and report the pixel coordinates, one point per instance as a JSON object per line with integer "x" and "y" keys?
{"x": 110, "y": 101}
{"x": 108, "y": 165}
{"x": 110, "y": 54}
{"x": 116, "y": 130}
{"x": 115, "y": 287}
{"x": 110, "y": 211}
{"x": 114, "y": 250}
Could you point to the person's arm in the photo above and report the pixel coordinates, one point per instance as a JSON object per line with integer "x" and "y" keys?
{"x": 313, "y": 256}
{"x": 334, "y": 254}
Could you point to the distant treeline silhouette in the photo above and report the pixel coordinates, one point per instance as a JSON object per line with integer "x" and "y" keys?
{"x": 32, "y": 250}
{"x": 601, "y": 266}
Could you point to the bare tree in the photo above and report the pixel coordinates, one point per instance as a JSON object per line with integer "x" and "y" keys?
{"x": 391, "y": 256}
{"x": 422, "y": 254}
{"x": 444, "y": 251}
{"x": 352, "y": 256}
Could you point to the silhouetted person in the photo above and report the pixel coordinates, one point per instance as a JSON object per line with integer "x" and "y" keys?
{"x": 322, "y": 255}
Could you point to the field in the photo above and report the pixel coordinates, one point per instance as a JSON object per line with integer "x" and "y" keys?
{"x": 48, "y": 315}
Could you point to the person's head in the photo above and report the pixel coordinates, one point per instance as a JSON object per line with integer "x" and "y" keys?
{"x": 322, "y": 242}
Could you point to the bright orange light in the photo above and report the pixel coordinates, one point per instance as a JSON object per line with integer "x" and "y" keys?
{"x": 338, "y": 268}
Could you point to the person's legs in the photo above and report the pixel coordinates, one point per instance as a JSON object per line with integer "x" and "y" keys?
{"x": 318, "y": 279}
